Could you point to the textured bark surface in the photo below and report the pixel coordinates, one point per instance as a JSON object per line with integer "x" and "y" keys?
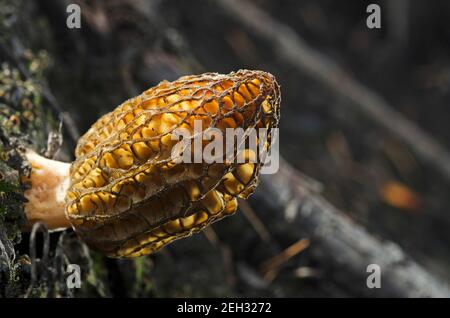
{"x": 28, "y": 119}
{"x": 345, "y": 246}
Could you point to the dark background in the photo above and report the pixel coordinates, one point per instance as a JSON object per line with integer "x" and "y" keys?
{"x": 365, "y": 169}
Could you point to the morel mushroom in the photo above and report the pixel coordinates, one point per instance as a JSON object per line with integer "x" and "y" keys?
{"x": 126, "y": 195}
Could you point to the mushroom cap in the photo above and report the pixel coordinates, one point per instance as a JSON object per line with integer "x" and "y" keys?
{"x": 128, "y": 196}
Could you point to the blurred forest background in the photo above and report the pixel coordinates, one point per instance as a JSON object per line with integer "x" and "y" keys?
{"x": 364, "y": 135}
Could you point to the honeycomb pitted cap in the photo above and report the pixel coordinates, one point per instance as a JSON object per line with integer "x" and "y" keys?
{"x": 128, "y": 196}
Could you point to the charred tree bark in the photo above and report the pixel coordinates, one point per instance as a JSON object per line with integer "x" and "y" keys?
{"x": 29, "y": 118}
{"x": 342, "y": 246}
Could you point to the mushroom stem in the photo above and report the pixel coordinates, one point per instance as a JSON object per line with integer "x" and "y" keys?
{"x": 46, "y": 197}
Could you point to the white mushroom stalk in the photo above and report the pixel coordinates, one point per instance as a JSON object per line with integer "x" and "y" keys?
{"x": 46, "y": 197}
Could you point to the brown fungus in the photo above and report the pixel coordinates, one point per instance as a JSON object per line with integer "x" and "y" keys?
{"x": 126, "y": 194}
